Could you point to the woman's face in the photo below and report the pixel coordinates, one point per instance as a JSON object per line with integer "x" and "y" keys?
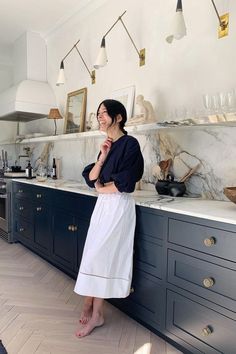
{"x": 104, "y": 119}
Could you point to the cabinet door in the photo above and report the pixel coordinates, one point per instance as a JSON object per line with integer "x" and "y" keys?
{"x": 63, "y": 239}
{"x": 42, "y": 227}
{"x": 206, "y": 330}
{"x": 81, "y": 233}
{"x": 147, "y": 299}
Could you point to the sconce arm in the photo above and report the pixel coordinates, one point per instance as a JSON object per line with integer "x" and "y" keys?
{"x": 114, "y": 24}
{"x": 130, "y": 37}
{"x": 70, "y": 50}
{"x": 217, "y": 14}
{"x": 83, "y": 61}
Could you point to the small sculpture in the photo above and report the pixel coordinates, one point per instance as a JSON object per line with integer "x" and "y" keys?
{"x": 147, "y": 114}
{"x": 91, "y": 122}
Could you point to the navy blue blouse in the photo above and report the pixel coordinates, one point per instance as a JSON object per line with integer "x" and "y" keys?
{"x": 123, "y": 165}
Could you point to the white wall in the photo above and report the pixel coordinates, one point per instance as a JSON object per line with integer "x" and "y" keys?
{"x": 174, "y": 76}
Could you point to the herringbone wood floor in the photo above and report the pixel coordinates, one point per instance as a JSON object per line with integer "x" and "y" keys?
{"x": 39, "y": 313}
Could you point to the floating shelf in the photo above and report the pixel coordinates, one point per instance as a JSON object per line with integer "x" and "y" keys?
{"x": 135, "y": 129}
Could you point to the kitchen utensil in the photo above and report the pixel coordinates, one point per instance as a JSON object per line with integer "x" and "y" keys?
{"x": 164, "y": 166}
{"x": 230, "y": 193}
{"x": 189, "y": 173}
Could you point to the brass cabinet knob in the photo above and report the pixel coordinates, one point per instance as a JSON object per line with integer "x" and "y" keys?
{"x": 70, "y": 227}
{"x": 207, "y": 331}
{"x": 21, "y": 229}
{"x": 39, "y": 195}
{"x": 210, "y": 241}
{"x": 21, "y": 208}
{"x": 38, "y": 208}
{"x": 75, "y": 228}
{"x": 131, "y": 290}
{"x": 20, "y": 191}
{"x": 208, "y": 282}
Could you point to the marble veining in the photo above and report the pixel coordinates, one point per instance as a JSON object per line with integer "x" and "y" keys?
{"x": 214, "y": 148}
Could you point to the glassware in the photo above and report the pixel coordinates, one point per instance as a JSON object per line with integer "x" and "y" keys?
{"x": 41, "y": 173}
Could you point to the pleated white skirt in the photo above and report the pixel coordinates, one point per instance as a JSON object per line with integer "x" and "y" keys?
{"x": 106, "y": 266}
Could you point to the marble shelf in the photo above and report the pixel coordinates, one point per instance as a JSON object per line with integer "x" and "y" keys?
{"x": 135, "y": 129}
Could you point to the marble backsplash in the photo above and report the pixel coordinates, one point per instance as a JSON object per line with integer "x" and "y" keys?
{"x": 214, "y": 148}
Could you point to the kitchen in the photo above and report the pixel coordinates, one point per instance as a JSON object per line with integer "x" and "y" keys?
{"x": 164, "y": 80}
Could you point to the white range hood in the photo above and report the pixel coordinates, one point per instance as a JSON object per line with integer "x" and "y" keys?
{"x": 26, "y": 101}
{"x": 31, "y": 97}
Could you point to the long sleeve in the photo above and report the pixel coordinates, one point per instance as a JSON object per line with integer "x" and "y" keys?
{"x": 130, "y": 169}
{"x": 85, "y": 174}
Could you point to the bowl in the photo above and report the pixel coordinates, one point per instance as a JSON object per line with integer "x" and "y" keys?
{"x": 177, "y": 189}
{"x": 162, "y": 186}
{"x": 230, "y": 193}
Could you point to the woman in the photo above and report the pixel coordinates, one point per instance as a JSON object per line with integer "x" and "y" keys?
{"x": 106, "y": 266}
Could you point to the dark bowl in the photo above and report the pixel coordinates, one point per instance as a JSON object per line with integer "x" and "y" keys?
{"x": 16, "y": 168}
{"x": 176, "y": 189}
{"x": 162, "y": 186}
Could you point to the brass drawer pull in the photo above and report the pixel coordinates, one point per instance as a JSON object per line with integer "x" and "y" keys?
{"x": 207, "y": 331}
{"x": 210, "y": 241}
{"x": 20, "y": 191}
{"x": 39, "y": 195}
{"x": 131, "y": 290}
{"x": 21, "y": 208}
{"x": 38, "y": 208}
{"x": 21, "y": 229}
{"x": 208, "y": 282}
{"x": 70, "y": 227}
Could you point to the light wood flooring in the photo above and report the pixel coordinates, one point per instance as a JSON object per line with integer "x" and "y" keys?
{"x": 39, "y": 313}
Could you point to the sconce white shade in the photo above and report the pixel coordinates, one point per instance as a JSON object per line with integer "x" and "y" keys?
{"x": 102, "y": 56}
{"x": 61, "y": 75}
{"x": 178, "y": 27}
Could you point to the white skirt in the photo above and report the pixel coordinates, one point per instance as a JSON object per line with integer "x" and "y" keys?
{"x": 107, "y": 262}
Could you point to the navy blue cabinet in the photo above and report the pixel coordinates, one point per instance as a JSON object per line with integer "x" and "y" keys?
{"x": 70, "y": 221}
{"x": 201, "y": 285}
{"x": 184, "y": 270}
{"x": 52, "y": 223}
{"x": 31, "y": 219}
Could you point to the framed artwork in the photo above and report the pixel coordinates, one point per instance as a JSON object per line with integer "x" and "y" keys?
{"x": 75, "y": 111}
{"x": 126, "y": 97}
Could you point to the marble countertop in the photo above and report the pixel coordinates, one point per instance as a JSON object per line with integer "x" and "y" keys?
{"x": 222, "y": 211}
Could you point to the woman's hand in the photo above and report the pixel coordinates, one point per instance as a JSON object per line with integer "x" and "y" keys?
{"x": 105, "y": 148}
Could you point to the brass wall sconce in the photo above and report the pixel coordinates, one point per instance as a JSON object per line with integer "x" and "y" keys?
{"x": 102, "y": 56}
{"x": 54, "y": 114}
{"x": 61, "y": 76}
{"x": 178, "y": 27}
{"x": 223, "y": 29}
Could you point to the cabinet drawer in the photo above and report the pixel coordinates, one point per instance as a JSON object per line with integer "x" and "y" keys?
{"x": 24, "y": 229}
{"x": 150, "y": 224}
{"x": 21, "y": 190}
{"x": 71, "y": 202}
{"x": 40, "y": 195}
{"x": 147, "y": 298}
{"x": 210, "y": 240}
{"x": 148, "y": 256}
{"x": 206, "y": 330}
{"x": 23, "y": 207}
{"x": 203, "y": 278}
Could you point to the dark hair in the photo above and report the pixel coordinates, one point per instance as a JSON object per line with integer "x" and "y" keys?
{"x": 114, "y": 108}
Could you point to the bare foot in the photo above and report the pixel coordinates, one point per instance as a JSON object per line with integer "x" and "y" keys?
{"x": 86, "y": 314}
{"x": 98, "y": 321}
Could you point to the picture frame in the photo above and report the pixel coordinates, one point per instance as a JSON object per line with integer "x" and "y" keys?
{"x": 75, "y": 111}
{"x": 126, "y": 97}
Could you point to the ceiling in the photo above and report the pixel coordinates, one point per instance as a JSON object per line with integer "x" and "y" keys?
{"x": 19, "y": 16}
